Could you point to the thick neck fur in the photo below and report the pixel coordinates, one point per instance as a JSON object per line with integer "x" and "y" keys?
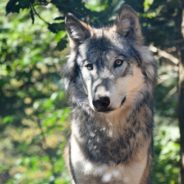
{"x": 117, "y": 136}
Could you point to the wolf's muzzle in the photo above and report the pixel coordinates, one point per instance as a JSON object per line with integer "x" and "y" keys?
{"x": 102, "y": 104}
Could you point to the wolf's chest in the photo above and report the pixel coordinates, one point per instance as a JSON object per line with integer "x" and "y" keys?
{"x": 86, "y": 170}
{"x": 99, "y": 147}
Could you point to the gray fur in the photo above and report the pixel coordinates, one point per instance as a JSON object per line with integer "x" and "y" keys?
{"x": 100, "y": 141}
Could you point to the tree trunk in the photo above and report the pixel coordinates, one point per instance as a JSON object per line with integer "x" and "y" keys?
{"x": 181, "y": 93}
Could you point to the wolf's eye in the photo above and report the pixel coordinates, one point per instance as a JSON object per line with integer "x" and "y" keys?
{"x": 118, "y": 63}
{"x": 89, "y": 66}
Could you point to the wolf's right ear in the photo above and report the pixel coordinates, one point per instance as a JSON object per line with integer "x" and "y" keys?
{"x": 78, "y": 31}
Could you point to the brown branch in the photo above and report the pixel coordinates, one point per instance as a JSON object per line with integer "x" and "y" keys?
{"x": 164, "y": 54}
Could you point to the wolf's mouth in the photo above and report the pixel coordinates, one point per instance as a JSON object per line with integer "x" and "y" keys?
{"x": 123, "y": 101}
{"x": 109, "y": 109}
{"x": 106, "y": 110}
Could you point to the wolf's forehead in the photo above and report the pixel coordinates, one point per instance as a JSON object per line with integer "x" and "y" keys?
{"x": 99, "y": 48}
{"x": 100, "y": 43}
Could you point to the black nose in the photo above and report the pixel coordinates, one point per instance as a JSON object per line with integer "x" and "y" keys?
{"x": 102, "y": 103}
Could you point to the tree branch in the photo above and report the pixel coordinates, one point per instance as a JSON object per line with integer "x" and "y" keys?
{"x": 164, "y": 54}
{"x": 37, "y": 14}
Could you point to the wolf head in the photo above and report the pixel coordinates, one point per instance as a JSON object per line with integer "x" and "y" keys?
{"x": 108, "y": 67}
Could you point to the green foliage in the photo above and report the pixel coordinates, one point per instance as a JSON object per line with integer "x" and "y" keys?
{"x": 33, "y": 106}
{"x": 166, "y": 155}
{"x": 34, "y": 115}
{"x": 166, "y": 134}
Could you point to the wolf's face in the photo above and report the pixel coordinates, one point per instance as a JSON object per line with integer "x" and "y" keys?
{"x": 109, "y": 71}
{"x": 108, "y": 65}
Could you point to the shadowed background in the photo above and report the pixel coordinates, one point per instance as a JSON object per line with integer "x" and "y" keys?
{"x": 34, "y": 114}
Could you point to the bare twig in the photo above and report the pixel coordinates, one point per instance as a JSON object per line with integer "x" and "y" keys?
{"x": 170, "y": 93}
{"x": 37, "y": 14}
{"x": 164, "y": 54}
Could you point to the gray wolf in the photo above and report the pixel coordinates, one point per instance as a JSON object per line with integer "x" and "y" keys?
{"x": 110, "y": 77}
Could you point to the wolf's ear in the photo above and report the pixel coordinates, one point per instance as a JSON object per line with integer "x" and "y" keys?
{"x": 127, "y": 24}
{"x": 78, "y": 31}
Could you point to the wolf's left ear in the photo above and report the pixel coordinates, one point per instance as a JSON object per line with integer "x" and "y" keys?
{"x": 78, "y": 31}
{"x": 127, "y": 24}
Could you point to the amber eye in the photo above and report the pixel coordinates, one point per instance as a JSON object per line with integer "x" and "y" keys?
{"x": 118, "y": 63}
{"x": 89, "y": 66}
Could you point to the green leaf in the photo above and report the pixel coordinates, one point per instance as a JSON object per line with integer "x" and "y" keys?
{"x": 56, "y": 27}
{"x": 62, "y": 44}
{"x": 147, "y": 4}
{"x": 12, "y": 6}
{"x": 59, "y": 18}
{"x": 7, "y": 119}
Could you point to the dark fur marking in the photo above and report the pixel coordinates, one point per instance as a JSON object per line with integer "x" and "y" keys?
{"x": 122, "y": 102}
{"x": 98, "y": 46}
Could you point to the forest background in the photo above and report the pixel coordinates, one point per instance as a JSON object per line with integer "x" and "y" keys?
{"x": 34, "y": 113}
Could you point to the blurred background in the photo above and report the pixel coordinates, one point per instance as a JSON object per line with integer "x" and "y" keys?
{"x": 34, "y": 114}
